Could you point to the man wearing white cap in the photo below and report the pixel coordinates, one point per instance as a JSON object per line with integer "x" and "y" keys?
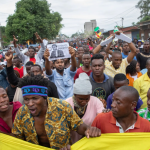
{"x": 86, "y": 106}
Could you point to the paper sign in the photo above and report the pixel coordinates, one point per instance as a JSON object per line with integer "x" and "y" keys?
{"x": 107, "y": 41}
{"x": 45, "y": 42}
{"x": 58, "y": 51}
{"x": 124, "y": 38}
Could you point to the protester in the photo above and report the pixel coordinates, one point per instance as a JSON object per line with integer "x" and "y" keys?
{"x": 36, "y": 59}
{"x": 142, "y": 84}
{"x": 86, "y": 106}
{"x": 102, "y": 84}
{"x": 119, "y": 81}
{"x": 122, "y": 118}
{"x": 140, "y": 45}
{"x": 3, "y": 77}
{"x": 86, "y": 59}
{"x": 53, "y": 118}
{"x": 131, "y": 72}
{"x": 28, "y": 66}
{"x": 63, "y": 78}
{"x": 18, "y": 66}
{"x": 144, "y": 55}
{"x": 117, "y": 65}
{"x": 11, "y": 89}
{"x": 35, "y": 70}
{"x": 79, "y": 58}
{"x": 126, "y": 51}
{"x": 103, "y": 52}
{"x": 145, "y": 113}
{"x": 8, "y": 111}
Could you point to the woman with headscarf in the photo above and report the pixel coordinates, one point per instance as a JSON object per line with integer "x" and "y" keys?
{"x": 86, "y": 106}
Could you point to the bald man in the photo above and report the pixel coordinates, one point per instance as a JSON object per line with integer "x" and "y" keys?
{"x": 122, "y": 118}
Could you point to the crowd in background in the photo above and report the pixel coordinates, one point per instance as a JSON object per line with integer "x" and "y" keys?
{"x": 100, "y": 88}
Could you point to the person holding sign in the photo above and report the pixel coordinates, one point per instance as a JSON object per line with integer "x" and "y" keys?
{"x": 117, "y": 65}
{"x": 36, "y": 59}
{"x": 63, "y": 78}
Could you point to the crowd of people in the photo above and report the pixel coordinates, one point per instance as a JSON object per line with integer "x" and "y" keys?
{"x": 104, "y": 87}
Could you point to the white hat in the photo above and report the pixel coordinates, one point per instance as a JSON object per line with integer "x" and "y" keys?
{"x": 82, "y": 85}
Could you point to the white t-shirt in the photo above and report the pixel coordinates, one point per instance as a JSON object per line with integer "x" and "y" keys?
{"x": 134, "y": 77}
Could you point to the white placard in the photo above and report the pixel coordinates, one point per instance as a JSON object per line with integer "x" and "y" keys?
{"x": 124, "y": 38}
{"x": 58, "y": 51}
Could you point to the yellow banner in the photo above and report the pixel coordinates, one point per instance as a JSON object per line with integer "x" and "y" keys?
{"x": 117, "y": 141}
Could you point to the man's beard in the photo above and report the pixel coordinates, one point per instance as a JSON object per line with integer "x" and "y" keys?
{"x": 60, "y": 70}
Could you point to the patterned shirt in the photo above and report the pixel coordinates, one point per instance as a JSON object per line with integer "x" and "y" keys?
{"x": 111, "y": 71}
{"x": 59, "y": 120}
{"x": 144, "y": 113}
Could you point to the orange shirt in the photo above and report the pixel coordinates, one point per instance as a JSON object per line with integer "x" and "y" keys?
{"x": 131, "y": 80}
{"x": 107, "y": 124}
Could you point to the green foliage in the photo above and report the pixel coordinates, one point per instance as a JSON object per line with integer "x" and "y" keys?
{"x": 144, "y": 6}
{"x": 33, "y": 16}
{"x": 6, "y": 41}
{"x": 134, "y": 24}
{"x": 146, "y": 18}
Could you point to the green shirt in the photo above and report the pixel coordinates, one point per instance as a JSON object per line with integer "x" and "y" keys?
{"x": 144, "y": 113}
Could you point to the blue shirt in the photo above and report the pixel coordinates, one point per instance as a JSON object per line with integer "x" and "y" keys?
{"x": 63, "y": 83}
{"x": 125, "y": 56}
{"x": 143, "y": 71}
{"x": 109, "y": 102}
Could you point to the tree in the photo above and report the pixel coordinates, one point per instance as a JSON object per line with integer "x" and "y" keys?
{"x": 33, "y": 16}
{"x": 146, "y": 18}
{"x": 134, "y": 24}
{"x": 144, "y": 6}
{"x": 6, "y": 41}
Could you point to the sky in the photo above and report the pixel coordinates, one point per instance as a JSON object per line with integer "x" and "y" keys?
{"x": 75, "y": 13}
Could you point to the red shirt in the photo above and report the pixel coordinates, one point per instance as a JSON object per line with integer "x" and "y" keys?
{"x": 20, "y": 70}
{"x": 33, "y": 60}
{"x": 107, "y": 123}
{"x": 3, "y": 125}
{"x": 79, "y": 70}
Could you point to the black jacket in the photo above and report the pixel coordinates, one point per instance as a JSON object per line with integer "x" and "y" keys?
{"x": 13, "y": 79}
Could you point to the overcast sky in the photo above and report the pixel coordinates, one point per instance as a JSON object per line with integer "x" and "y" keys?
{"x": 75, "y": 13}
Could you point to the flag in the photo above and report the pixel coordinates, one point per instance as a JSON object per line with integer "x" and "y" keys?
{"x": 113, "y": 141}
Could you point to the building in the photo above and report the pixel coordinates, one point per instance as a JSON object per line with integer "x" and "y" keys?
{"x": 144, "y": 30}
{"x": 90, "y": 26}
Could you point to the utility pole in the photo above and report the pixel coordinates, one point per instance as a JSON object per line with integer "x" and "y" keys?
{"x": 1, "y": 44}
{"x": 122, "y": 22}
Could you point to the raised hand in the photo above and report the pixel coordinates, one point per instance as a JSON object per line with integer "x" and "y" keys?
{"x": 38, "y": 38}
{"x": 14, "y": 41}
{"x": 71, "y": 51}
{"x": 118, "y": 32}
{"x": 9, "y": 56}
{"x": 46, "y": 54}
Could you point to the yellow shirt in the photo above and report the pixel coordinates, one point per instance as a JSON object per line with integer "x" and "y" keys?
{"x": 111, "y": 71}
{"x": 142, "y": 84}
{"x": 59, "y": 120}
